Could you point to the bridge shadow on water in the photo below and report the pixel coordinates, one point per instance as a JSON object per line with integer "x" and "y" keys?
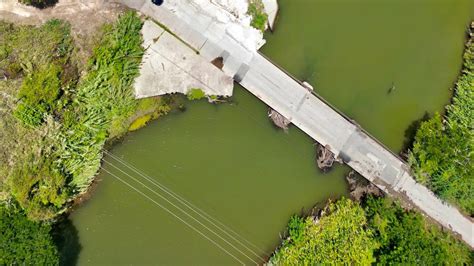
{"x": 66, "y": 238}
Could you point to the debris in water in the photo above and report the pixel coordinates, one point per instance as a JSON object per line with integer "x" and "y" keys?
{"x": 279, "y": 120}
{"x": 325, "y": 157}
{"x": 391, "y": 89}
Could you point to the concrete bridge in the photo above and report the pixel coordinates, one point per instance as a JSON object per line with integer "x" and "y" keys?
{"x": 306, "y": 110}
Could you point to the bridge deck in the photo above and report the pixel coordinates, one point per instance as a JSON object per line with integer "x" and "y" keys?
{"x": 308, "y": 112}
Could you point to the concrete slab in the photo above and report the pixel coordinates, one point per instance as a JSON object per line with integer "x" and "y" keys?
{"x": 150, "y": 33}
{"x": 271, "y": 8}
{"x": 170, "y": 66}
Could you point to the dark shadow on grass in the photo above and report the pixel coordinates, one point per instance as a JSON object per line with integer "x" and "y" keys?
{"x": 66, "y": 238}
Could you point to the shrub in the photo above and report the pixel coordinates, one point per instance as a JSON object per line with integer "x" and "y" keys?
{"x": 39, "y": 93}
{"x": 24, "y": 242}
{"x": 259, "y": 17}
{"x": 405, "y": 238}
{"x": 195, "y": 94}
{"x": 339, "y": 237}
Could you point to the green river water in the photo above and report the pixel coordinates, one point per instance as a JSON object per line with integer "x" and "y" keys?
{"x": 231, "y": 162}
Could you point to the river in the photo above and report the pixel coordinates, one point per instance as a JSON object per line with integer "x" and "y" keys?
{"x": 229, "y": 160}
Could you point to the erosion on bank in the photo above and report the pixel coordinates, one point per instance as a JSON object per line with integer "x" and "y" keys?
{"x": 376, "y": 230}
{"x": 55, "y": 120}
{"x": 442, "y": 156}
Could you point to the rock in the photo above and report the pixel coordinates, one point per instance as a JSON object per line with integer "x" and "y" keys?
{"x": 325, "y": 158}
{"x": 278, "y": 119}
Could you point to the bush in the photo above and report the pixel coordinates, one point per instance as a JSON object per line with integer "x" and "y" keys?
{"x": 195, "y": 94}
{"x": 25, "y": 242}
{"x": 39, "y": 188}
{"x": 39, "y": 93}
{"x": 259, "y": 17}
{"x": 339, "y": 237}
{"x": 405, "y": 238}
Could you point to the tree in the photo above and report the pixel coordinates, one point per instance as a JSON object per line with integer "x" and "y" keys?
{"x": 24, "y": 242}
{"x": 405, "y": 238}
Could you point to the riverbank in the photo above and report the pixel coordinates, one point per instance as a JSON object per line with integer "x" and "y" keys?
{"x": 442, "y": 153}
{"x": 74, "y": 115}
{"x": 374, "y": 230}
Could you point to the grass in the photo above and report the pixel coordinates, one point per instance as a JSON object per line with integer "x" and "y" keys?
{"x": 62, "y": 121}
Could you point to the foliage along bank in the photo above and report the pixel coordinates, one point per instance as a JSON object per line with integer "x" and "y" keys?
{"x": 376, "y": 231}
{"x": 442, "y": 157}
{"x": 25, "y": 242}
{"x": 52, "y": 142}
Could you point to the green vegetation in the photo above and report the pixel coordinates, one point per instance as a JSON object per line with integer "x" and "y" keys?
{"x": 259, "y": 17}
{"x": 104, "y": 101}
{"x": 24, "y": 242}
{"x": 195, "y": 94}
{"x": 61, "y": 121}
{"x": 339, "y": 237}
{"x": 378, "y": 231}
{"x": 36, "y": 62}
{"x": 442, "y": 157}
{"x": 406, "y": 238}
{"x": 140, "y": 122}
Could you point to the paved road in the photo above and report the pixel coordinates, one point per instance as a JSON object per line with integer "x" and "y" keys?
{"x": 306, "y": 111}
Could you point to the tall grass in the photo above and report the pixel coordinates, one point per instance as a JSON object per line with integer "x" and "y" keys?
{"x": 104, "y": 100}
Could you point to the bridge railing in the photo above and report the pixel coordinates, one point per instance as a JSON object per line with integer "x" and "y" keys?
{"x": 350, "y": 120}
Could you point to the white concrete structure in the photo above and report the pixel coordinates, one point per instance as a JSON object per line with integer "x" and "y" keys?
{"x": 308, "y": 112}
{"x": 170, "y": 66}
{"x": 271, "y": 8}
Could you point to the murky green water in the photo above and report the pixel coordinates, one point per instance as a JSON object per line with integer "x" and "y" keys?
{"x": 352, "y": 51}
{"x": 230, "y": 161}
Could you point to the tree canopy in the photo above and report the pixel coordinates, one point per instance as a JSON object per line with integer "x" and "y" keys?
{"x": 24, "y": 242}
{"x": 340, "y": 236}
{"x": 378, "y": 231}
